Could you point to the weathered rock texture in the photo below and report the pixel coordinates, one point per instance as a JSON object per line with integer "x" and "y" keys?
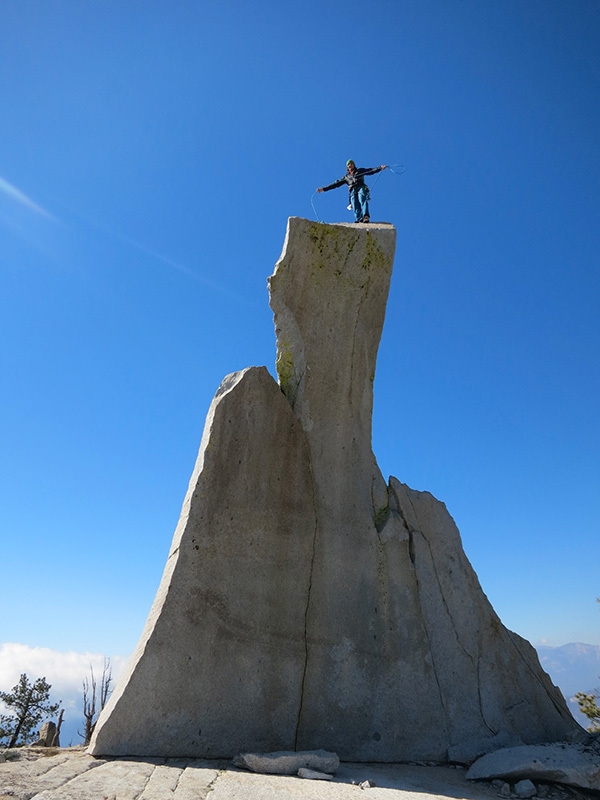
{"x": 48, "y": 736}
{"x": 573, "y": 764}
{"x": 288, "y": 762}
{"x": 306, "y": 604}
{"x": 74, "y": 775}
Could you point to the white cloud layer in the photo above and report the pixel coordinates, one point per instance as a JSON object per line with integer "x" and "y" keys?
{"x": 63, "y": 671}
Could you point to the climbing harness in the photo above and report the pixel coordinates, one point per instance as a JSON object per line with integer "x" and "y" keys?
{"x": 400, "y": 170}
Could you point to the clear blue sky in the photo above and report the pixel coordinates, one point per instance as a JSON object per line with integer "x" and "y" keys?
{"x": 150, "y": 154}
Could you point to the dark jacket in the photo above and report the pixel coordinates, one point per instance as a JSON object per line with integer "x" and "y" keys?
{"x": 354, "y": 182}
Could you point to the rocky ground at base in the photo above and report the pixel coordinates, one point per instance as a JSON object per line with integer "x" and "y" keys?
{"x": 72, "y": 774}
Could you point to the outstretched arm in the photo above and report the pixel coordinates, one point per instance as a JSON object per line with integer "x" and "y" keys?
{"x": 374, "y": 170}
{"x": 333, "y": 185}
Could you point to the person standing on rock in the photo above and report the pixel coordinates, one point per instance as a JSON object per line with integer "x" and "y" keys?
{"x": 359, "y": 191}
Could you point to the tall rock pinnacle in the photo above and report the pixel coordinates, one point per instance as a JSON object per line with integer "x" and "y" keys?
{"x": 306, "y": 603}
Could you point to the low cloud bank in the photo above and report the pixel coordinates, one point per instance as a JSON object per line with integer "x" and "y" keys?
{"x": 65, "y": 673}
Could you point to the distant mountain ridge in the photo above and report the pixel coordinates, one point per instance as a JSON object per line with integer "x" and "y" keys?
{"x": 573, "y": 667}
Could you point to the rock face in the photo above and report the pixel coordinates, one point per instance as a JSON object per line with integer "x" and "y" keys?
{"x": 306, "y": 603}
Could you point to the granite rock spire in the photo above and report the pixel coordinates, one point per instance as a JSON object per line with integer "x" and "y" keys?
{"x": 306, "y": 603}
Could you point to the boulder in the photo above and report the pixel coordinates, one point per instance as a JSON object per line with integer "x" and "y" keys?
{"x": 48, "y": 736}
{"x": 306, "y": 602}
{"x": 525, "y": 789}
{"x": 314, "y": 775}
{"x": 571, "y": 764}
{"x": 288, "y": 762}
{"x": 502, "y": 787}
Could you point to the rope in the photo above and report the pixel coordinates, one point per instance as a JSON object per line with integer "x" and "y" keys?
{"x": 313, "y": 207}
{"x": 400, "y": 167}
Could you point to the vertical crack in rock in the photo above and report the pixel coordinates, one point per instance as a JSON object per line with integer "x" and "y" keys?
{"x": 455, "y": 630}
{"x": 454, "y": 627}
{"x": 411, "y": 548}
{"x": 409, "y": 529}
{"x": 381, "y": 513}
{"x": 306, "y": 620}
{"x": 492, "y": 730}
{"x": 423, "y": 620}
{"x": 440, "y": 588}
{"x": 290, "y": 362}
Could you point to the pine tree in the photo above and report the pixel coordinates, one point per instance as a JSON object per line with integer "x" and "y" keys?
{"x": 588, "y": 705}
{"x": 28, "y": 704}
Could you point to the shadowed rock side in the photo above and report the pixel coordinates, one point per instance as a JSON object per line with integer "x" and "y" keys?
{"x": 305, "y": 603}
{"x": 490, "y": 682}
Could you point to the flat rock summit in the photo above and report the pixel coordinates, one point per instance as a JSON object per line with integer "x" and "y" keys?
{"x": 307, "y": 602}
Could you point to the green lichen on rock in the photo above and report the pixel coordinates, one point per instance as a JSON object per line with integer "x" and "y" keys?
{"x": 325, "y": 236}
{"x": 327, "y": 243}
{"x": 381, "y": 517}
{"x": 331, "y": 247}
{"x": 374, "y": 255}
{"x": 284, "y": 364}
{"x": 332, "y": 242}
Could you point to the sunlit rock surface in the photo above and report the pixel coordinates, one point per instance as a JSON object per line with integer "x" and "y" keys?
{"x": 306, "y": 603}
